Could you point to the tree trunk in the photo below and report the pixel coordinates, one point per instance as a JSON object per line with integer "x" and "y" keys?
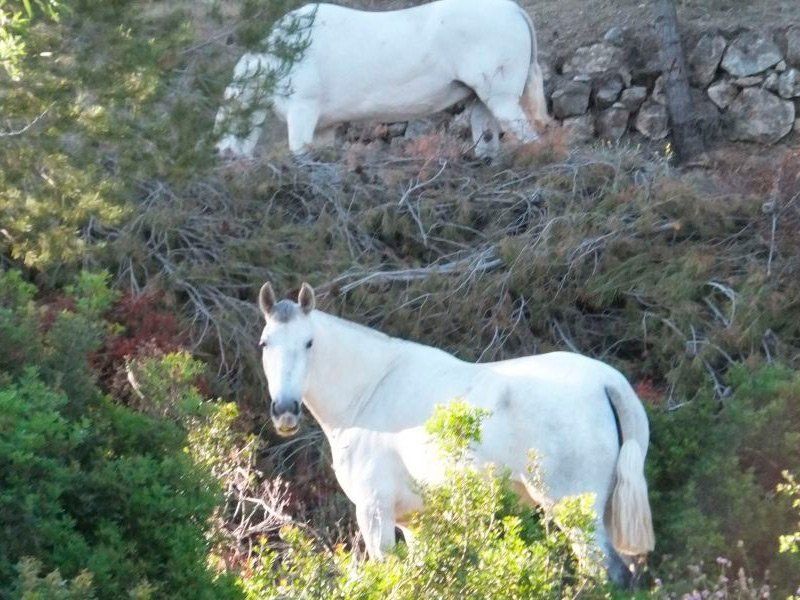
{"x": 685, "y": 132}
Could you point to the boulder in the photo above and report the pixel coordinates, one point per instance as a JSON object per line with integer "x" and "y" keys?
{"x": 707, "y": 114}
{"x": 580, "y": 130}
{"x": 420, "y": 127}
{"x": 705, "y": 58}
{"x": 793, "y": 46}
{"x": 744, "y": 82}
{"x": 757, "y": 115}
{"x": 789, "y": 84}
{"x": 598, "y": 59}
{"x": 750, "y": 53}
{"x": 607, "y": 89}
{"x": 771, "y": 82}
{"x": 615, "y": 36}
{"x": 460, "y": 126}
{"x": 612, "y": 123}
{"x": 781, "y": 66}
{"x": 396, "y": 129}
{"x": 571, "y": 98}
{"x": 722, "y": 93}
{"x": 652, "y": 121}
{"x": 633, "y": 97}
{"x": 659, "y": 95}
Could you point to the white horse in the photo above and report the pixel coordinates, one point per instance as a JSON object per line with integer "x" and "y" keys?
{"x": 389, "y": 66}
{"x": 372, "y": 394}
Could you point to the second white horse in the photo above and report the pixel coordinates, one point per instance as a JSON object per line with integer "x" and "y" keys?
{"x": 372, "y": 395}
{"x": 352, "y": 65}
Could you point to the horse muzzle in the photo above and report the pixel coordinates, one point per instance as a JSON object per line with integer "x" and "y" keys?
{"x": 286, "y": 417}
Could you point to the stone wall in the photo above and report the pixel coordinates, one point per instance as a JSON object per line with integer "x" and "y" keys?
{"x": 745, "y": 85}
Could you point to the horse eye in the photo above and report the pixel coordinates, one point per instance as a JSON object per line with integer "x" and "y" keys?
{"x": 309, "y": 343}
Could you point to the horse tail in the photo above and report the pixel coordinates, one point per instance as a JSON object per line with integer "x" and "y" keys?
{"x": 533, "y": 100}
{"x": 631, "y": 524}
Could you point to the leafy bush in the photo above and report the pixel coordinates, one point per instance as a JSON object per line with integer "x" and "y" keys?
{"x": 87, "y": 486}
{"x": 32, "y": 586}
{"x": 714, "y": 470}
{"x": 791, "y": 488}
{"x": 474, "y": 540}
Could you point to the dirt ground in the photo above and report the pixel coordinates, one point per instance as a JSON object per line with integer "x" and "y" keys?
{"x": 564, "y": 25}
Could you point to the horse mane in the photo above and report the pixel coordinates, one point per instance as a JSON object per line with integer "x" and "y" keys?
{"x": 359, "y": 327}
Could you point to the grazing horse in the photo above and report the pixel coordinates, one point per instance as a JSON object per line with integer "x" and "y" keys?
{"x": 372, "y": 395}
{"x": 353, "y": 65}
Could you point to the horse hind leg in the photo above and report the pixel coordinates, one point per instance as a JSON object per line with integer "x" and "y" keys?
{"x": 509, "y": 114}
{"x": 533, "y": 99}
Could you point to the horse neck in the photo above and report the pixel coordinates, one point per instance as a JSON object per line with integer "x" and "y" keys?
{"x": 349, "y": 362}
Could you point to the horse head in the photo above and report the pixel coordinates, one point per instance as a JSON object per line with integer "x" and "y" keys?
{"x": 286, "y": 343}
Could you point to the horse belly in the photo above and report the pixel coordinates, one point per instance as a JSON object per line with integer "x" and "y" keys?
{"x": 386, "y": 102}
{"x": 567, "y": 435}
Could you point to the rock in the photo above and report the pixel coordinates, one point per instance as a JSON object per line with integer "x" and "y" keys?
{"x": 633, "y": 97}
{"x": 607, "y": 89}
{"x": 793, "y": 46}
{"x": 548, "y": 76}
{"x": 757, "y": 115}
{"x": 659, "y": 95}
{"x": 771, "y": 82}
{"x": 571, "y": 98}
{"x": 750, "y": 53}
{"x": 789, "y": 84}
{"x": 704, "y": 59}
{"x": 396, "y": 145}
{"x": 598, "y": 59}
{"x": 744, "y": 82}
{"x": 396, "y": 129}
{"x": 419, "y": 127}
{"x": 460, "y": 126}
{"x": 615, "y": 36}
{"x": 706, "y": 113}
{"x": 781, "y": 66}
{"x": 612, "y": 123}
{"x": 722, "y": 93}
{"x": 580, "y": 130}
{"x": 652, "y": 121}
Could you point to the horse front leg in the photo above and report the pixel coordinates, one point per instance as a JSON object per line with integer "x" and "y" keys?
{"x": 301, "y": 122}
{"x": 376, "y": 522}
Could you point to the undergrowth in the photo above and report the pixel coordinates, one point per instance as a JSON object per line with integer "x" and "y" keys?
{"x": 685, "y": 281}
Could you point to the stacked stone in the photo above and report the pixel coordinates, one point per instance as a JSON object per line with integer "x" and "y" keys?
{"x": 750, "y": 79}
{"x": 747, "y": 83}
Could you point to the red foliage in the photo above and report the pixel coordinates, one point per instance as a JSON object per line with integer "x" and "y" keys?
{"x": 148, "y": 329}
{"x": 54, "y": 307}
{"x": 648, "y": 392}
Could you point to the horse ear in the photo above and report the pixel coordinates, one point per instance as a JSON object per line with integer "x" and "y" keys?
{"x": 306, "y": 298}
{"x": 266, "y": 298}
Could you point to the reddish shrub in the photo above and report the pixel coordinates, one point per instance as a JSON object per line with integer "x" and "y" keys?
{"x": 146, "y": 327}
{"x": 648, "y": 392}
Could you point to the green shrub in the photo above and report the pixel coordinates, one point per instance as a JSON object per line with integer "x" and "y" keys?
{"x": 474, "y": 540}
{"x": 791, "y": 488}
{"x": 714, "y": 470}
{"x": 88, "y": 488}
{"x": 32, "y": 586}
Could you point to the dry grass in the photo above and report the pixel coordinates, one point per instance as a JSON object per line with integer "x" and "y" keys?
{"x": 602, "y": 251}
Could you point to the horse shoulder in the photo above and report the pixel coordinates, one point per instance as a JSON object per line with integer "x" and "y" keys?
{"x": 365, "y": 463}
